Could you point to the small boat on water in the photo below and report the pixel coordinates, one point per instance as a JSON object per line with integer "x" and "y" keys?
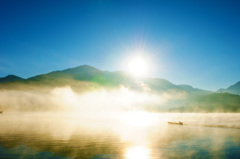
{"x": 179, "y": 123}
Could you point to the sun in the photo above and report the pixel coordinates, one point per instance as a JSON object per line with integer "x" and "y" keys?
{"x": 138, "y": 67}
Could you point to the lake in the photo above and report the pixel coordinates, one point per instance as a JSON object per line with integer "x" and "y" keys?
{"x": 132, "y": 135}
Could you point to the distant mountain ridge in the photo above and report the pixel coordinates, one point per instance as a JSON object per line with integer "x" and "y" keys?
{"x": 113, "y": 79}
{"x": 109, "y": 79}
{"x": 10, "y": 78}
{"x": 86, "y": 78}
{"x": 92, "y": 74}
{"x": 216, "y": 102}
{"x": 83, "y": 72}
{"x": 233, "y": 89}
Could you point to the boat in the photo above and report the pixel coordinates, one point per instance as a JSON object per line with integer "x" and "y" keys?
{"x": 179, "y": 123}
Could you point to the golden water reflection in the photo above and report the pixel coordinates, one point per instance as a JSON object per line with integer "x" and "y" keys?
{"x": 137, "y": 152}
{"x": 136, "y": 126}
{"x": 132, "y": 135}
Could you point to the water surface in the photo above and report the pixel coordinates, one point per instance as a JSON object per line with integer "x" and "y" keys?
{"x": 136, "y": 135}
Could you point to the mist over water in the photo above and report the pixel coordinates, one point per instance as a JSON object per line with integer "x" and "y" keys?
{"x": 118, "y": 135}
{"x": 66, "y": 99}
{"x": 120, "y": 123}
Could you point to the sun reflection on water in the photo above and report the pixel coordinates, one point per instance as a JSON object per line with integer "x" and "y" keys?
{"x": 137, "y": 152}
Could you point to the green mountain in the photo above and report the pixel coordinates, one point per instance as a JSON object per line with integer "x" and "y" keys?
{"x": 82, "y": 79}
{"x": 82, "y": 73}
{"x": 216, "y": 102}
{"x": 88, "y": 77}
{"x": 233, "y": 89}
{"x": 10, "y": 78}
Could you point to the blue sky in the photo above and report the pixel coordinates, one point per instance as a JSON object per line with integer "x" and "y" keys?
{"x": 190, "y": 42}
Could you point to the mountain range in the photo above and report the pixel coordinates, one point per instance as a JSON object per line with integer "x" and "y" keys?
{"x": 87, "y": 78}
{"x": 233, "y": 89}
{"x": 10, "y": 78}
{"x": 95, "y": 77}
{"x": 216, "y": 102}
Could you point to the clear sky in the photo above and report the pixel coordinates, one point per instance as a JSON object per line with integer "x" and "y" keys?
{"x": 195, "y": 42}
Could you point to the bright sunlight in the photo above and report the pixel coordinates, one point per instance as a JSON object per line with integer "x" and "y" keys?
{"x": 139, "y": 119}
{"x": 137, "y": 152}
{"x": 138, "y": 67}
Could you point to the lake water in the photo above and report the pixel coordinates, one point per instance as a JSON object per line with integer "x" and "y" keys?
{"x": 136, "y": 135}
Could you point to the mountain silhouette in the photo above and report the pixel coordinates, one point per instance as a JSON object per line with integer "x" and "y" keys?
{"x": 91, "y": 75}
{"x": 233, "y": 89}
{"x": 83, "y": 72}
{"x": 94, "y": 76}
{"x": 10, "y": 78}
{"x": 216, "y": 102}
{"x": 86, "y": 78}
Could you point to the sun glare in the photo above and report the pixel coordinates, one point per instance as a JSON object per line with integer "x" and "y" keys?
{"x": 139, "y": 119}
{"x": 138, "y": 67}
{"x": 137, "y": 152}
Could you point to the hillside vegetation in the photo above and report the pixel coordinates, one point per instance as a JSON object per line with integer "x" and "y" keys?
{"x": 216, "y": 102}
